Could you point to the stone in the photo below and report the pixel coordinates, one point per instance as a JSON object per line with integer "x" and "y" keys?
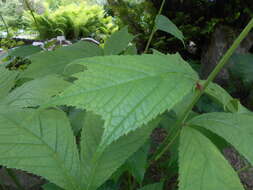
{"x": 220, "y": 41}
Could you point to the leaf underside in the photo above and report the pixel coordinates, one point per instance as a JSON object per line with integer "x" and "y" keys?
{"x": 35, "y": 92}
{"x": 128, "y": 91}
{"x": 7, "y": 81}
{"x": 40, "y": 142}
{"x": 202, "y": 166}
{"x": 98, "y": 165}
{"x": 235, "y": 128}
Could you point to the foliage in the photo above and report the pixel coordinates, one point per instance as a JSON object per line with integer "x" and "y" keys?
{"x": 118, "y": 100}
{"x": 8, "y": 43}
{"x": 74, "y": 21}
{"x": 197, "y": 19}
{"x": 13, "y": 14}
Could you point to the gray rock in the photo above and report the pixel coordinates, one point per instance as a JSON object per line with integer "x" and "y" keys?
{"x": 221, "y": 40}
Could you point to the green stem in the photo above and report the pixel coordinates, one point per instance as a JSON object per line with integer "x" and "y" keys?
{"x": 5, "y": 25}
{"x": 32, "y": 14}
{"x": 180, "y": 123}
{"x": 154, "y": 28}
{"x": 14, "y": 179}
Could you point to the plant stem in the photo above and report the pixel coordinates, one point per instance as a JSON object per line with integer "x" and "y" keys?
{"x": 14, "y": 178}
{"x": 180, "y": 123}
{"x": 5, "y": 25}
{"x": 32, "y": 14}
{"x": 154, "y": 28}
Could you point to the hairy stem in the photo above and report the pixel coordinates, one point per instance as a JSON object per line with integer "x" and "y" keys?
{"x": 154, "y": 28}
{"x": 181, "y": 120}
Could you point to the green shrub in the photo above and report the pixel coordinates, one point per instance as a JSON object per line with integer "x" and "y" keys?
{"x": 74, "y": 21}
{"x": 12, "y": 11}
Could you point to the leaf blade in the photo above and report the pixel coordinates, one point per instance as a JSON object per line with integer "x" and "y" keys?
{"x": 118, "y": 42}
{"x": 165, "y": 24}
{"x": 129, "y": 91}
{"x": 228, "y": 126}
{"x": 30, "y": 141}
{"x": 54, "y": 62}
{"x": 98, "y": 165}
{"x": 202, "y": 166}
{"x": 35, "y": 92}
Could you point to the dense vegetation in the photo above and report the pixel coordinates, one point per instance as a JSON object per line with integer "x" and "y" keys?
{"x": 132, "y": 112}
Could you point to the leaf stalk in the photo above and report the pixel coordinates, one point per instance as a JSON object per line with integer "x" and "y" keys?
{"x": 199, "y": 92}
{"x": 154, "y": 28}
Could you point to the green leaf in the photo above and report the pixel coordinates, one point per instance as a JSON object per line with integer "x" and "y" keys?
{"x": 7, "y": 81}
{"x": 155, "y": 186}
{"x": 164, "y": 24}
{"x": 235, "y": 128}
{"x": 118, "y": 42}
{"x": 40, "y": 142}
{"x": 202, "y": 166}
{"x": 222, "y": 97}
{"x": 24, "y": 51}
{"x": 51, "y": 186}
{"x": 35, "y": 92}
{"x": 137, "y": 163}
{"x": 219, "y": 94}
{"x": 131, "y": 50}
{"x": 99, "y": 164}
{"x": 54, "y": 62}
{"x": 129, "y": 91}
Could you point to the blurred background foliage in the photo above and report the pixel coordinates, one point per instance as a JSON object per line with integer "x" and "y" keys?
{"x": 197, "y": 19}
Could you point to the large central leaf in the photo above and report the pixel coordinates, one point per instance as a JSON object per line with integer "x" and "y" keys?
{"x": 40, "y": 142}
{"x": 129, "y": 91}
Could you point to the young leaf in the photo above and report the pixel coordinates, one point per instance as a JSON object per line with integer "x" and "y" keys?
{"x": 118, "y": 42}
{"x": 35, "y": 92}
{"x": 129, "y": 91}
{"x": 155, "y": 186}
{"x": 7, "y": 81}
{"x": 164, "y": 24}
{"x": 221, "y": 96}
{"x": 202, "y": 166}
{"x": 40, "y": 142}
{"x": 233, "y": 127}
{"x": 99, "y": 165}
{"x": 54, "y": 62}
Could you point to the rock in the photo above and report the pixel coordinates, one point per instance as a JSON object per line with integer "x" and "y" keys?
{"x": 241, "y": 166}
{"x": 220, "y": 41}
